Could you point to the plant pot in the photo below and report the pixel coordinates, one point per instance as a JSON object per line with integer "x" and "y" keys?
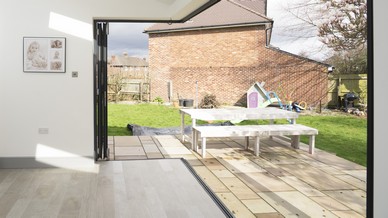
{"x": 181, "y": 102}
{"x": 188, "y": 103}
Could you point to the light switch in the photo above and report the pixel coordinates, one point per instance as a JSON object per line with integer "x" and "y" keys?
{"x": 43, "y": 130}
{"x": 74, "y": 74}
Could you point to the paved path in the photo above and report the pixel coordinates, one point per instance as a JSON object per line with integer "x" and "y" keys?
{"x": 281, "y": 182}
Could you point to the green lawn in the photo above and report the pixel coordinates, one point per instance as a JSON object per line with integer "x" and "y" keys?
{"x": 343, "y": 135}
{"x": 152, "y": 115}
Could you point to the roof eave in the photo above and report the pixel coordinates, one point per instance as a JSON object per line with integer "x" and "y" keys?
{"x": 277, "y": 49}
{"x": 208, "y": 27}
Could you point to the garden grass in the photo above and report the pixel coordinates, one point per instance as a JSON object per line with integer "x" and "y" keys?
{"x": 343, "y": 135}
{"x": 151, "y": 115}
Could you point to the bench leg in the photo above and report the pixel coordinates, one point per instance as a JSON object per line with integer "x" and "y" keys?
{"x": 246, "y": 142}
{"x": 311, "y": 144}
{"x": 183, "y": 127}
{"x": 193, "y": 124}
{"x": 295, "y": 139}
{"x": 203, "y": 147}
{"x": 194, "y": 146}
{"x": 257, "y": 146}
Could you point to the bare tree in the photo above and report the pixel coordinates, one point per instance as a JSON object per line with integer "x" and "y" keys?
{"x": 340, "y": 24}
{"x": 350, "y": 62}
{"x": 344, "y": 27}
{"x": 116, "y": 84}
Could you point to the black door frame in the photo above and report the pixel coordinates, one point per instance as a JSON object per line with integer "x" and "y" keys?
{"x": 100, "y": 83}
{"x": 101, "y": 151}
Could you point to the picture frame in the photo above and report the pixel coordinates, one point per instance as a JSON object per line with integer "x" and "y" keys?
{"x": 44, "y": 54}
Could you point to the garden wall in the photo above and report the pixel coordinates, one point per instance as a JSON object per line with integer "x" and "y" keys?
{"x": 227, "y": 62}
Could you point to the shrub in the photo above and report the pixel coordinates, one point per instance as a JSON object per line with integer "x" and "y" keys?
{"x": 209, "y": 101}
{"x": 159, "y": 100}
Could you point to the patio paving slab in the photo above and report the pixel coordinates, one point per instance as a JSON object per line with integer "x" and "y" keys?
{"x": 329, "y": 203}
{"x": 121, "y": 141}
{"x": 154, "y": 155}
{"x": 222, "y": 173}
{"x": 131, "y": 157}
{"x": 295, "y": 204}
{"x": 258, "y": 206}
{"x": 148, "y": 148}
{"x": 263, "y": 163}
{"x": 353, "y": 181}
{"x": 238, "y": 188}
{"x": 277, "y": 171}
{"x": 213, "y": 164}
{"x": 124, "y": 151}
{"x": 347, "y": 213}
{"x": 316, "y": 178}
{"x": 301, "y": 186}
{"x": 269, "y": 215}
{"x": 210, "y": 179}
{"x": 232, "y": 144}
{"x": 328, "y": 169}
{"x": 359, "y": 174}
{"x": 264, "y": 182}
{"x": 241, "y": 165}
{"x": 337, "y": 162}
{"x": 358, "y": 202}
{"x": 280, "y": 158}
{"x": 235, "y": 205}
{"x": 174, "y": 150}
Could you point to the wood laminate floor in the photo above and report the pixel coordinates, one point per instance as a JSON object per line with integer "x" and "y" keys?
{"x": 135, "y": 188}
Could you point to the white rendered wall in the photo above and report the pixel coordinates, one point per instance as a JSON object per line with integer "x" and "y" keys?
{"x": 56, "y": 101}
{"x": 64, "y": 105}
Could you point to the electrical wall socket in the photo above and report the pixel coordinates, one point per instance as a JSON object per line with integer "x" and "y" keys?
{"x": 43, "y": 130}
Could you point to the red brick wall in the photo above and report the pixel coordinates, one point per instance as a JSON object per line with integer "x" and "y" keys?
{"x": 227, "y": 62}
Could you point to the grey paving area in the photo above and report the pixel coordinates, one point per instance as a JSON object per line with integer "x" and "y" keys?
{"x": 281, "y": 182}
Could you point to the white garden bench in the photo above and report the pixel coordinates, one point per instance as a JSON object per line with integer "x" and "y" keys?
{"x": 256, "y": 131}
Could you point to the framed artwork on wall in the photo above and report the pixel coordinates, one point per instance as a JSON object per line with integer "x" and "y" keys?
{"x": 44, "y": 54}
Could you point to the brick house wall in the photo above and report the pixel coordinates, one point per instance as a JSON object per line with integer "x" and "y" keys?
{"x": 226, "y": 62}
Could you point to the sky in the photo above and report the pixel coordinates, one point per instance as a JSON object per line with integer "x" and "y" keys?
{"x": 129, "y": 37}
{"x": 300, "y": 42}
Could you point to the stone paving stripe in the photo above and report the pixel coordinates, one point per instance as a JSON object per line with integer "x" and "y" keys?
{"x": 235, "y": 205}
{"x": 222, "y": 173}
{"x": 264, "y": 182}
{"x": 316, "y": 178}
{"x": 210, "y": 179}
{"x": 129, "y": 151}
{"x": 353, "y": 181}
{"x": 295, "y": 204}
{"x": 301, "y": 186}
{"x": 258, "y": 206}
{"x": 358, "y": 202}
{"x": 348, "y": 213}
{"x": 126, "y": 141}
{"x": 238, "y": 188}
{"x": 329, "y": 203}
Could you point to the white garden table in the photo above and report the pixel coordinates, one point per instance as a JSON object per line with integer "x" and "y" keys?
{"x": 268, "y": 113}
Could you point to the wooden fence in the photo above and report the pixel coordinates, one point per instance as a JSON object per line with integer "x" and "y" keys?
{"x": 131, "y": 90}
{"x": 341, "y": 84}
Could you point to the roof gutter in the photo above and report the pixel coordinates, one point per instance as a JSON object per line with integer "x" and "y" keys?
{"x": 210, "y": 27}
{"x": 268, "y": 33}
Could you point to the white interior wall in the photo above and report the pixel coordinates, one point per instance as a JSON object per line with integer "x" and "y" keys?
{"x": 56, "y": 101}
